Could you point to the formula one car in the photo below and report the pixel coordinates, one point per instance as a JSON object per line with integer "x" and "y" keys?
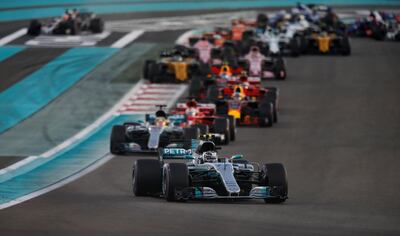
{"x": 71, "y": 23}
{"x": 209, "y": 87}
{"x": 249, "y": 105}
{"x": 378, "y": 25}
{"x": 286, "y": 41}
{"x": 222, "y": 128}
{"x": 158, "y": 131}
{"x": 265, "y": 67}
{"x": 206, "y": 175}
{"x": 327, "y": 42}
{"x": 176, "y": 65}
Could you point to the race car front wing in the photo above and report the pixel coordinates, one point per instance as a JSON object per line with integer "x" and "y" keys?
{"x": 260, "y": 192}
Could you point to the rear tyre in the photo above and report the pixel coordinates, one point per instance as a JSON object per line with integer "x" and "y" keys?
{"x": 147, "y": 67}
{"x": 272, "y": 96}
{"x": 378, "y": 31}
{"x": 274, "y": 176}
{"x": 203, "y": 129}
{"x": 295, "y": 46}
{"x": 117, "y": 138}
{"x": 96, "y": 25}
{"x": 222, "y": 107}
{"x": 195, "y": 87}
{"x": 154, "y": 71}
{"x": 189, "y": 134}
{"x": 146, "y": 177}
{"x": 212, "y": 93}
{"x": 175, "y": 179}
{"x": 345, "y": 46}
{"x": 221, "y": 126}
{"x": 35, "y": 28}
{"x": 280, "y": 70}
{"x": 232, "y": 127}
{"x": 266, "y": 111}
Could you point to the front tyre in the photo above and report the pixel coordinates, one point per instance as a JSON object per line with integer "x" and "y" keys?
{"x": 273, "y": 175}
{"x": 146, "y": 177}
{"x": 175, "y": 179}
{"x": 117, "y": 139}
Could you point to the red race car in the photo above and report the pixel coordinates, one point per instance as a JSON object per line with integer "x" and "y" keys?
{"x": 203, "y": 115}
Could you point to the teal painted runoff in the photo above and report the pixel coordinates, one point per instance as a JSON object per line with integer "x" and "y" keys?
{"x": 38, "y": 89}
{"x": 6, "y": 52}
{"x": 43, "y": 12}
{"x": 64, "y": 164}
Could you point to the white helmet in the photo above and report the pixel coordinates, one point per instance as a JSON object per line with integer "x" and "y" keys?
{"x": 210, "y": 156}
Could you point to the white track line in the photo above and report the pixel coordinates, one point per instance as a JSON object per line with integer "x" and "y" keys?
{"x": 17, "y": 164}
{"x": 122, "y": 42}
{"x": 13, "y": 36}
{"x": 65, "y": 144}
{"x": 115, "y": 110}
{"x": 83, "y": 133}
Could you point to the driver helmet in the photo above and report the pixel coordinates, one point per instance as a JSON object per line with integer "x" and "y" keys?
{"x": 210, "y": 157}
{"x": 237, "y": 96}
{"x": 254, "y": 50}
{"x": 160, "y": 121}
{"x": 177, "y": 57}
{"x": 225, "y": 72}
{"x": 243, "y": 77}
{"x": 191, "y": 111}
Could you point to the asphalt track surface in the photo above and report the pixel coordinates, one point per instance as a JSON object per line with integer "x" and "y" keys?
{"x": 338, "y": 135}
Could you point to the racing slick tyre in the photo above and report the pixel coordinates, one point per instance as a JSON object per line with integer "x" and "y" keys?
{"x": 303, "y": 44}
{"x": 295, "y": 46}
{"x": 189, "y": 134}
{"x": 146, "y": 177}
{"x": 222, "y": 107}
{"x": 72, "y": 28}
{"x": 274, "y": 176}
{"x": 272, "y": 96}
{"x": 212, "y": 93}
{"x": 35, "y": 28}
{"x": 116, "y": 139}
{"x": 266, "y": 114}
{"x": 378, "y": 31}
{"x": 203, "y": 129}
{"x": 221, "y": 126}
{"x": 397, "y": 37}
{"x": 247, "y": 35}
{"x": 175, "y": 178}
{"x": 345, "y": 46}
{"x": 154, "y": 72}
{"x": 232, "y": 127}
{"x": 195, "y": 87}
{"x": 147, "y": 67}
{"x": 193, "y": 70}
{"x": 216, "y": 53}
{"x": 280, "y": 71}
{"x": 96, "y": 25}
